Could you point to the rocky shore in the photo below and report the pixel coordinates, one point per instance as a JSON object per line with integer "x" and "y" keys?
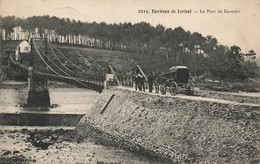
{"x": 58, "y": 145}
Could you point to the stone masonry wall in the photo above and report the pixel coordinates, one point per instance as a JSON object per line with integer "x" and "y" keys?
{"x": 175, "y": 129}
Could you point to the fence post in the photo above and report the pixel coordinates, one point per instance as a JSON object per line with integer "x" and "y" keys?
{"x": 105, "y": 84}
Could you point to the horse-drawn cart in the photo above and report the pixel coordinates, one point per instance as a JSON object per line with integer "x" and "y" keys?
{"x": 175, "y": 81}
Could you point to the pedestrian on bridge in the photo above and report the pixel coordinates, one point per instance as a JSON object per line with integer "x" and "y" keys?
{"x": 151, "y": 81}
{"x": 141, "y": 83}
{"x": 136, "y": 81}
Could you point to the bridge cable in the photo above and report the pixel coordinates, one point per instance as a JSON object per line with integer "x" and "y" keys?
{"x": 100, "y": 71}
{"x": 59, "y": 59}
{"x": 80, "y": 75}
{"x": 74, "y": 63}
{"x": 126, "y": 71}
{"x": 46, "y": 62}
{"x": 68, "y": 74}
{"x": 58, "y": 73}
{"x": 52, "y": 61}
{"x": 68, "y": 59}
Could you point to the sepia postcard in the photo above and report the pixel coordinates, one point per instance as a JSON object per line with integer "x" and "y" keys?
{"x": 129, "y": 81}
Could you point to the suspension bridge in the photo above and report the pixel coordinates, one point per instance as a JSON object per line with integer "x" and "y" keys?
{"x": 46, "y": 62}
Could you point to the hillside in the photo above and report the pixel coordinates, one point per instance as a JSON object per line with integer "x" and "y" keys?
{"x": 93, "y": 60}
{"x": 97, "y": 58}
{"x": 120, "y": 60}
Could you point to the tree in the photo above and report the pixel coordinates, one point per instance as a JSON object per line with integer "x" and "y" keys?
{"x": 234, "y": 59}
{"x": 178, "y": 46}
{"x": 8, "y": 23}
{"x": 210, "y": 45}
{"x": 251, "y": 55}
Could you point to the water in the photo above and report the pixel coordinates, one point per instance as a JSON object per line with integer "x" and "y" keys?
{"x": 55, "y": 144}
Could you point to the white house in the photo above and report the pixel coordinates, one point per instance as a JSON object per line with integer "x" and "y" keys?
{"x": 22, "y": 47}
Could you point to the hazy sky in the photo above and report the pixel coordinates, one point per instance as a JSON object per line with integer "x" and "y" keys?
{"x": 242, "y": 28}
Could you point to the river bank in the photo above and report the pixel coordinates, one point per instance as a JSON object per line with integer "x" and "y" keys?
{"x": 46, "y": 144}
{"x": 58, "y": 145}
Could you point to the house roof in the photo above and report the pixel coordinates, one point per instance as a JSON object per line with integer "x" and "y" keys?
{"x": 21, "y": 42}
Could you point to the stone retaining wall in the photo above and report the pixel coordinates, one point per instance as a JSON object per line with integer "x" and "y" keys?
{"x": 175, "y": 129}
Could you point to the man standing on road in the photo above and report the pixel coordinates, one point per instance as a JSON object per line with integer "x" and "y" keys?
{"x": 141, "y": 83}
{"x": 138, "y": 82}
{"x": 135, "y": 81}
{"x": 150, "y": 82}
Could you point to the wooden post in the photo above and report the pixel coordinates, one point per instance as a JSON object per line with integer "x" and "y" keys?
{"x": 105, "y": 84}
{"x": 46, "y": 49}
{"x": 16, "y": 55}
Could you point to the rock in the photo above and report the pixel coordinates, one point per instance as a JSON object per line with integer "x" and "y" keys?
{"x": 7, "y": 152}
{"x": 24, "y": 130}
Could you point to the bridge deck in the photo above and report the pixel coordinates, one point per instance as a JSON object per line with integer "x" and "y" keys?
{"x": 87, "y": 83}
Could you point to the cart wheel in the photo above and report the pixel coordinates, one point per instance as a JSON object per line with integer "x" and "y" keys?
{"x": 190, "y": 88}
{"x": 162, "y": 89}
{"x": 173, "y": 88}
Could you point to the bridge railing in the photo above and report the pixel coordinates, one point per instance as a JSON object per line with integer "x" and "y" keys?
{"x": 107, "y": 74}
{"x": 127, "y": 78}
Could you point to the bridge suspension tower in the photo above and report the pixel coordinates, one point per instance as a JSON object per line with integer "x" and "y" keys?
{"x": 38, "y": 94}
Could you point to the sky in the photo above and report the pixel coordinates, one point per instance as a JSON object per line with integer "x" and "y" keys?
{"x": 241, "y": 28}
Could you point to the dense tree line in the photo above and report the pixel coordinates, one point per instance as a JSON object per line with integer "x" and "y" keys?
{"x": 180, "y": 47}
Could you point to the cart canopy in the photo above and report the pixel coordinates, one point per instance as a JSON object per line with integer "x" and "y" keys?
{"x": 174, "y": 68}
{"x": 181, "y": 74}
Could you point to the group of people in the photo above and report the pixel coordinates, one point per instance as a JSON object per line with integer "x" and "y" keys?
{"x": 140, "y": 80}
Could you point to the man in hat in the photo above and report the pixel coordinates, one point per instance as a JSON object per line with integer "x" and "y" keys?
{"x": 135, "y": 80}
{"x": 150, "y": 82}
{"x": 142, "y": 86}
